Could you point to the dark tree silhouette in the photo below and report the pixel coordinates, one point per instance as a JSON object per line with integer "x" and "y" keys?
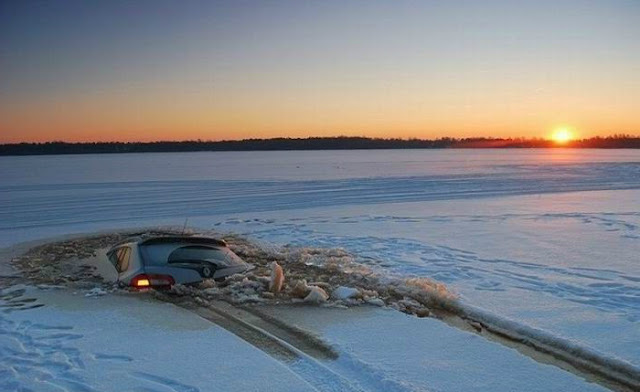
{"x": 312, "y": 143}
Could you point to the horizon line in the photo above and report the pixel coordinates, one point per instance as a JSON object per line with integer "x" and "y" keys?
{"x": 456, "y": 138}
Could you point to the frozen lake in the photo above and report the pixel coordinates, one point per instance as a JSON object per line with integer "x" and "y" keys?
{"x": 547, "y": 238}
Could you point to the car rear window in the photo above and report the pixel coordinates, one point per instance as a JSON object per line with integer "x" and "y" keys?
{"x": 196, "y": 253}
{"x": 161, "y": 254}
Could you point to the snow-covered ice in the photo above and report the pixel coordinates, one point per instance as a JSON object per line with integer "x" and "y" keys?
{"x": 542, "y": 264}
{"x": 120, "y": 343}
{"x": 405, "y": 353}
{"x": 548, "y": 239}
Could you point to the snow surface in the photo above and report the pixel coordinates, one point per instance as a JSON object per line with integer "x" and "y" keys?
{"x": 406, "y": 353}
{"x": 547, "y": 238}
{"x": 55, "y": 340}
{"x": 120, "y": 343}
{"x": 565, "y": 273}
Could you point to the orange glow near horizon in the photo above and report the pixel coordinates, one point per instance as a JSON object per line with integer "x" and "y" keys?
{"x": 146, "y": 119}
{"x": 178, "y": 112}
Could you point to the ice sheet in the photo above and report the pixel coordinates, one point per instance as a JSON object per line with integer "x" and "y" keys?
{"x": 547, "y": 238}
{"x": 117, "y": 343}
{"x": 425, "y": 354}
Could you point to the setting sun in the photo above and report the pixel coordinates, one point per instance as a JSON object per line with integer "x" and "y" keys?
{"x": 562, "y": 135}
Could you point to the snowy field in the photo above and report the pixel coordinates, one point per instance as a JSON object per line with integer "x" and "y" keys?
{"x": 86, "y": 344}
{"x": 547, "y": 239}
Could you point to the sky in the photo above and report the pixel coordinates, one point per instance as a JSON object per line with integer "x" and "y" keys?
{"x": 175, "y": 70}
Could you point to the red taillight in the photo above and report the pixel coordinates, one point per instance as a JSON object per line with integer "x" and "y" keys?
{"x": 144, "y": 280}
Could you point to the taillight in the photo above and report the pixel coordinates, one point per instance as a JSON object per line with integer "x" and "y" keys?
{"x": 144, "y": 280}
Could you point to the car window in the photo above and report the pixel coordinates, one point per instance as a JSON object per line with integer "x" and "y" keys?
{"x": 123, "y": 259}
{"x": 113, "y": 257}
{"x": 197, "y": 252}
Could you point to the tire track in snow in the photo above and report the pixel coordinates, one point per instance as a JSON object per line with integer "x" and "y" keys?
{"x": 601, "y": 288}
{"x": 165, "y": 382}
{"x": 306, "y": 356}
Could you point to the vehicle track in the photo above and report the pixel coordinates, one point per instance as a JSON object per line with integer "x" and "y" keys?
{"x": 303, "y": 353}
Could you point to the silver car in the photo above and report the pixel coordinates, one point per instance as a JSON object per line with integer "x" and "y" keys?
{"x": 162, "y": 261}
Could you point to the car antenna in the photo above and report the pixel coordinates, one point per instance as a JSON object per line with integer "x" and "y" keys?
{"x": 185, "y": 225}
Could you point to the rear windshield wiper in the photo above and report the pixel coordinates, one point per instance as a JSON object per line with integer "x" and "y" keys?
{"x": 189, "y": 261}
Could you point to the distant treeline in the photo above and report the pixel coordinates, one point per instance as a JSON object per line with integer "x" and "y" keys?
{"x": 312, "y": 143}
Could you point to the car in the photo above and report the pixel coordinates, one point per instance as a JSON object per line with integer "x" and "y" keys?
{"x": 162, "y": 261}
